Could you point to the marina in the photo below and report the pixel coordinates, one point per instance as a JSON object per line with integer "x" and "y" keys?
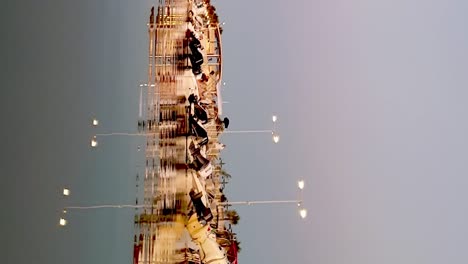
{"x": 182, "y": 218}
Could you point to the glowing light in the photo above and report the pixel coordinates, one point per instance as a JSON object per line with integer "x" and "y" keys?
{"x": 300, "y": 184}
{"x": 95, "y": 122}
{"x": 303, "y": 213}
{"x": 62, "y": 222}
{"x": 276, "y": 138}
{"x": 66, "y": 192}
{"x": 94, "y": 142}
{"x": 274, "y": 118}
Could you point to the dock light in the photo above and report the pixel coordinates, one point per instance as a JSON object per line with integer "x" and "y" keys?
{"x": 94, "y": 142}
{"x": 95, "y": 122}
{"x": 276, "y": 138}
{"x": 62, "y": 222}
{"x": 66, "y": 192}
{"x": 301, "y": 184}
{"x": 303, "y": 213}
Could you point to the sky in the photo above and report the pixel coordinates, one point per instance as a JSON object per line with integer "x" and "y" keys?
{"x": 371, "y": 111}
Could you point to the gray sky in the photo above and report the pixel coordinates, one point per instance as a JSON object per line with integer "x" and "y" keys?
{"x": 67, "y": 61}
{"x": 371, "y": 99}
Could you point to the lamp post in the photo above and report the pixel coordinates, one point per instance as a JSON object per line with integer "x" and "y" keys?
{"x": 274, "y": 136}
{"x": 302, "y": 211}
{"x": 94, "y": 140}
{"x": 95, "y": 121}
{"x": 66, "y": 192}
{"x": 63, "y": 221}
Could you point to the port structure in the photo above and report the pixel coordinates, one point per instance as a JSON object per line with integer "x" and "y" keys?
{"x": 183, "y": 86}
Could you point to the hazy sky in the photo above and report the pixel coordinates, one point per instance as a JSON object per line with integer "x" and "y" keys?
{"x": 371, "y": 98}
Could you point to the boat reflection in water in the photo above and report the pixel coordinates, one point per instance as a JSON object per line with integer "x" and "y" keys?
{"x": 182, "y": 221}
